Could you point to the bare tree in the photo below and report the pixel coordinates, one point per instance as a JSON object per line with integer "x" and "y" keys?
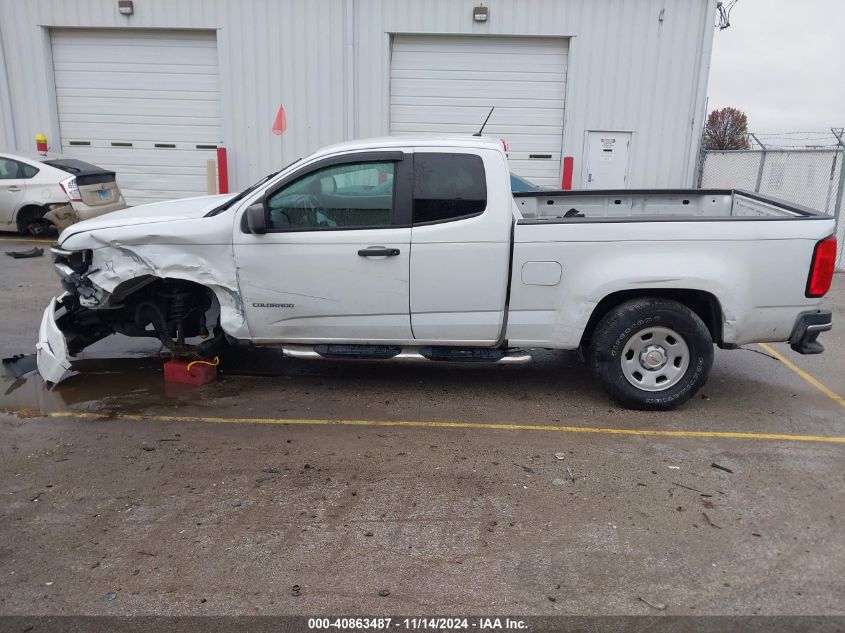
{"x": 726, "y": 129}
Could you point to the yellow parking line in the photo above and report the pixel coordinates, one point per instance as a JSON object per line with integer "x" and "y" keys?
{"x": 26, "y": 240}
{"x": 495, "y": 426}
{"x": 830, "y": 393}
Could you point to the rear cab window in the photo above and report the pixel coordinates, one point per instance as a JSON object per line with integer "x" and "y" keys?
{"x": 448, "y": 187}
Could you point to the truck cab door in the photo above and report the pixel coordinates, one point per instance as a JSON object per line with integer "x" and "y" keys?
{"x": 333, "y": 265}
{"x": 461, "y": 245}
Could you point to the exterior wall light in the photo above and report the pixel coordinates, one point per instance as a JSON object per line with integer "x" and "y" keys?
{"x": 480, "y": 13}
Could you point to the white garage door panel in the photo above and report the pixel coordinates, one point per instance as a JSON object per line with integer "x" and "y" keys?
{"x": 149, "y": 88}
{"x": 136, "y": 107}
{"x": 175, "y": 130}
{"x": 444, "y": 84}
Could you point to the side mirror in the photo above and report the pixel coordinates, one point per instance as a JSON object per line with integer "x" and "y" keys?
{"x": 256, "y": 218}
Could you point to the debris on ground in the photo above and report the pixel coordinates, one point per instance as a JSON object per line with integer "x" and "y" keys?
{"x": 384, "y": 593}
{"x": 720, "y": 467}
{"x": 35, "y": 251}
{"x": 20, "y": 364}
{"x": 296, "y": 591}
{"x": 675, "y": 483}
{"x": 560, "y": 455}
{"x": 571, "y": 476}
{"x": 109, "y": 596}
{"x": 709, "y": 522}
{"x": 654, "y": 605}
{"x": 558, "y": 482}
{"x": 707, "y": 504}
{"x": 270, "y": 470}
{"x": 673, "y": 467}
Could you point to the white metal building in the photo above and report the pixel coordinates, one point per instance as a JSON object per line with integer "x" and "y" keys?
{"x": 618, "y": 85}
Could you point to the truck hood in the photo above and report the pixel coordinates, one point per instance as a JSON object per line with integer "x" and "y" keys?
{"x": 184, "y": 209}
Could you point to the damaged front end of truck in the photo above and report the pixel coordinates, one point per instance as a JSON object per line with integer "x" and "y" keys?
{"x": 171, "y": 281}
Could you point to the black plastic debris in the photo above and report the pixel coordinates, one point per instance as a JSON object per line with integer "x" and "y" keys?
{"x": 20, "y": 364}
{"x": 35, "y": 251}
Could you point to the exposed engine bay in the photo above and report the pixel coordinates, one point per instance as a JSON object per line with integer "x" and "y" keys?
{"x": 170, "y": 310}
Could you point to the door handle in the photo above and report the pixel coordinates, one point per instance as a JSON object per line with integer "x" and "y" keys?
{"x": 13, "y": 188}
{"x": 378, "y": 251}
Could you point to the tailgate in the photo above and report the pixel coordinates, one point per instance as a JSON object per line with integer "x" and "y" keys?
{"x": 98, "y": 188}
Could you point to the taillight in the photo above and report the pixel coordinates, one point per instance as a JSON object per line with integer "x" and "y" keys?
{"x": 821, "y": 268}
{"x": 71, "y": 189}
{"x": 504, "y": 145}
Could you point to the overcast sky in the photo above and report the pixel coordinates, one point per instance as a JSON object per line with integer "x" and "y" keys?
{"x": 783, "y": 63}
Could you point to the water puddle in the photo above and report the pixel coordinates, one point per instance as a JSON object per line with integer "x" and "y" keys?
{"x": 109, "y": 380}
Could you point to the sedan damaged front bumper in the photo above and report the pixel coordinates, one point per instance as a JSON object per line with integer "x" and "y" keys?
{"x": 51, "y": 349}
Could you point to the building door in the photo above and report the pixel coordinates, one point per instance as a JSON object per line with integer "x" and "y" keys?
{"x": 607, "y": 160}
{"x": 446, "y": 84}
{"x": 144, "y": 103}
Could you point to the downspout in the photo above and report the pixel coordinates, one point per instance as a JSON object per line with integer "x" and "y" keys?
{"x": 699, "y": 106}
{"x": 8, "y": 120}
{"x": 350, "y": 131}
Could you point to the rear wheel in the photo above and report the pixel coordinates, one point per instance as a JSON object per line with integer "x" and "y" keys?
{"x": 651, "y": 354}
{"x": 31, "y": 221}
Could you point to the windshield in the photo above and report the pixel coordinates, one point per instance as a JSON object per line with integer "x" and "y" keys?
{"x": 228, "y": 204}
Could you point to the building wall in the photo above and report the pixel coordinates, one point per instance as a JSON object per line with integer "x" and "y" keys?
{"x": 637, "y": 66}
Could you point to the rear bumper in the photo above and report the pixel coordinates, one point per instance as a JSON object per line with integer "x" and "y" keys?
{"x": 87, "y": 212}
{"x": 807, "y": 328}
{"x": 51, "y": 349}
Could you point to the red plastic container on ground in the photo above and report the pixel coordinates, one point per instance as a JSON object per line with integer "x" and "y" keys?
{"x": 190, "y": 372}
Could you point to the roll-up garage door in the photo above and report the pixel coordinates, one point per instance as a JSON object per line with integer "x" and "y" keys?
{"x": 144, "y": 103}
{"x": 446, "y": 84}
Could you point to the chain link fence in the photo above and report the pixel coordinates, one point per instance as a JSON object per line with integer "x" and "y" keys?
{"x": 811, "y": 177}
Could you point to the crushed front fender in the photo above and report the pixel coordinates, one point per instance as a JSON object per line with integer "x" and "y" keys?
{"x": 52, "y": 353}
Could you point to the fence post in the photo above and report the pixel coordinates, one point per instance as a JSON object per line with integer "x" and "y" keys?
{"x": 762, "y": 162}
{"x": 839, "y": 191}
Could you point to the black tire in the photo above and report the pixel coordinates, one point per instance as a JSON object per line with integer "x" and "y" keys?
{"x": 615, "y": 337}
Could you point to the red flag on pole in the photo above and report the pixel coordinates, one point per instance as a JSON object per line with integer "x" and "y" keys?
{"x": 281, "y": 122}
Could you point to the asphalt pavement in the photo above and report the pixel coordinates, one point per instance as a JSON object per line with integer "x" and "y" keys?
{"x": 381, "y": 488}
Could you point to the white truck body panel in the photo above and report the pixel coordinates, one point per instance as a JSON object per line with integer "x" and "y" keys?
{"x": 448, "y": 283}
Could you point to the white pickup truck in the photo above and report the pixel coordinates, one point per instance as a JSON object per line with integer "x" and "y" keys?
{"x": 415, "y": 249}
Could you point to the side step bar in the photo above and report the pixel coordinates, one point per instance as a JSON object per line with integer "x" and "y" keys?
{"x": 407, "y": 354}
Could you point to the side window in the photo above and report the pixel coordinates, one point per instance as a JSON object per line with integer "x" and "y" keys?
{"x": 10, "y": 169}
{"x": 355, "y": 195}
{"x": 448, "y": 187}
{"x": 28, "y": 171}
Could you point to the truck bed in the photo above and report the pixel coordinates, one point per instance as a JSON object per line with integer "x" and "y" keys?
{"x": 654, "y": 205}
{"x": 573, "y": 248}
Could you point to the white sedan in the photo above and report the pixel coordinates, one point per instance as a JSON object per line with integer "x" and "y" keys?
{"x": 38, "y": 191}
